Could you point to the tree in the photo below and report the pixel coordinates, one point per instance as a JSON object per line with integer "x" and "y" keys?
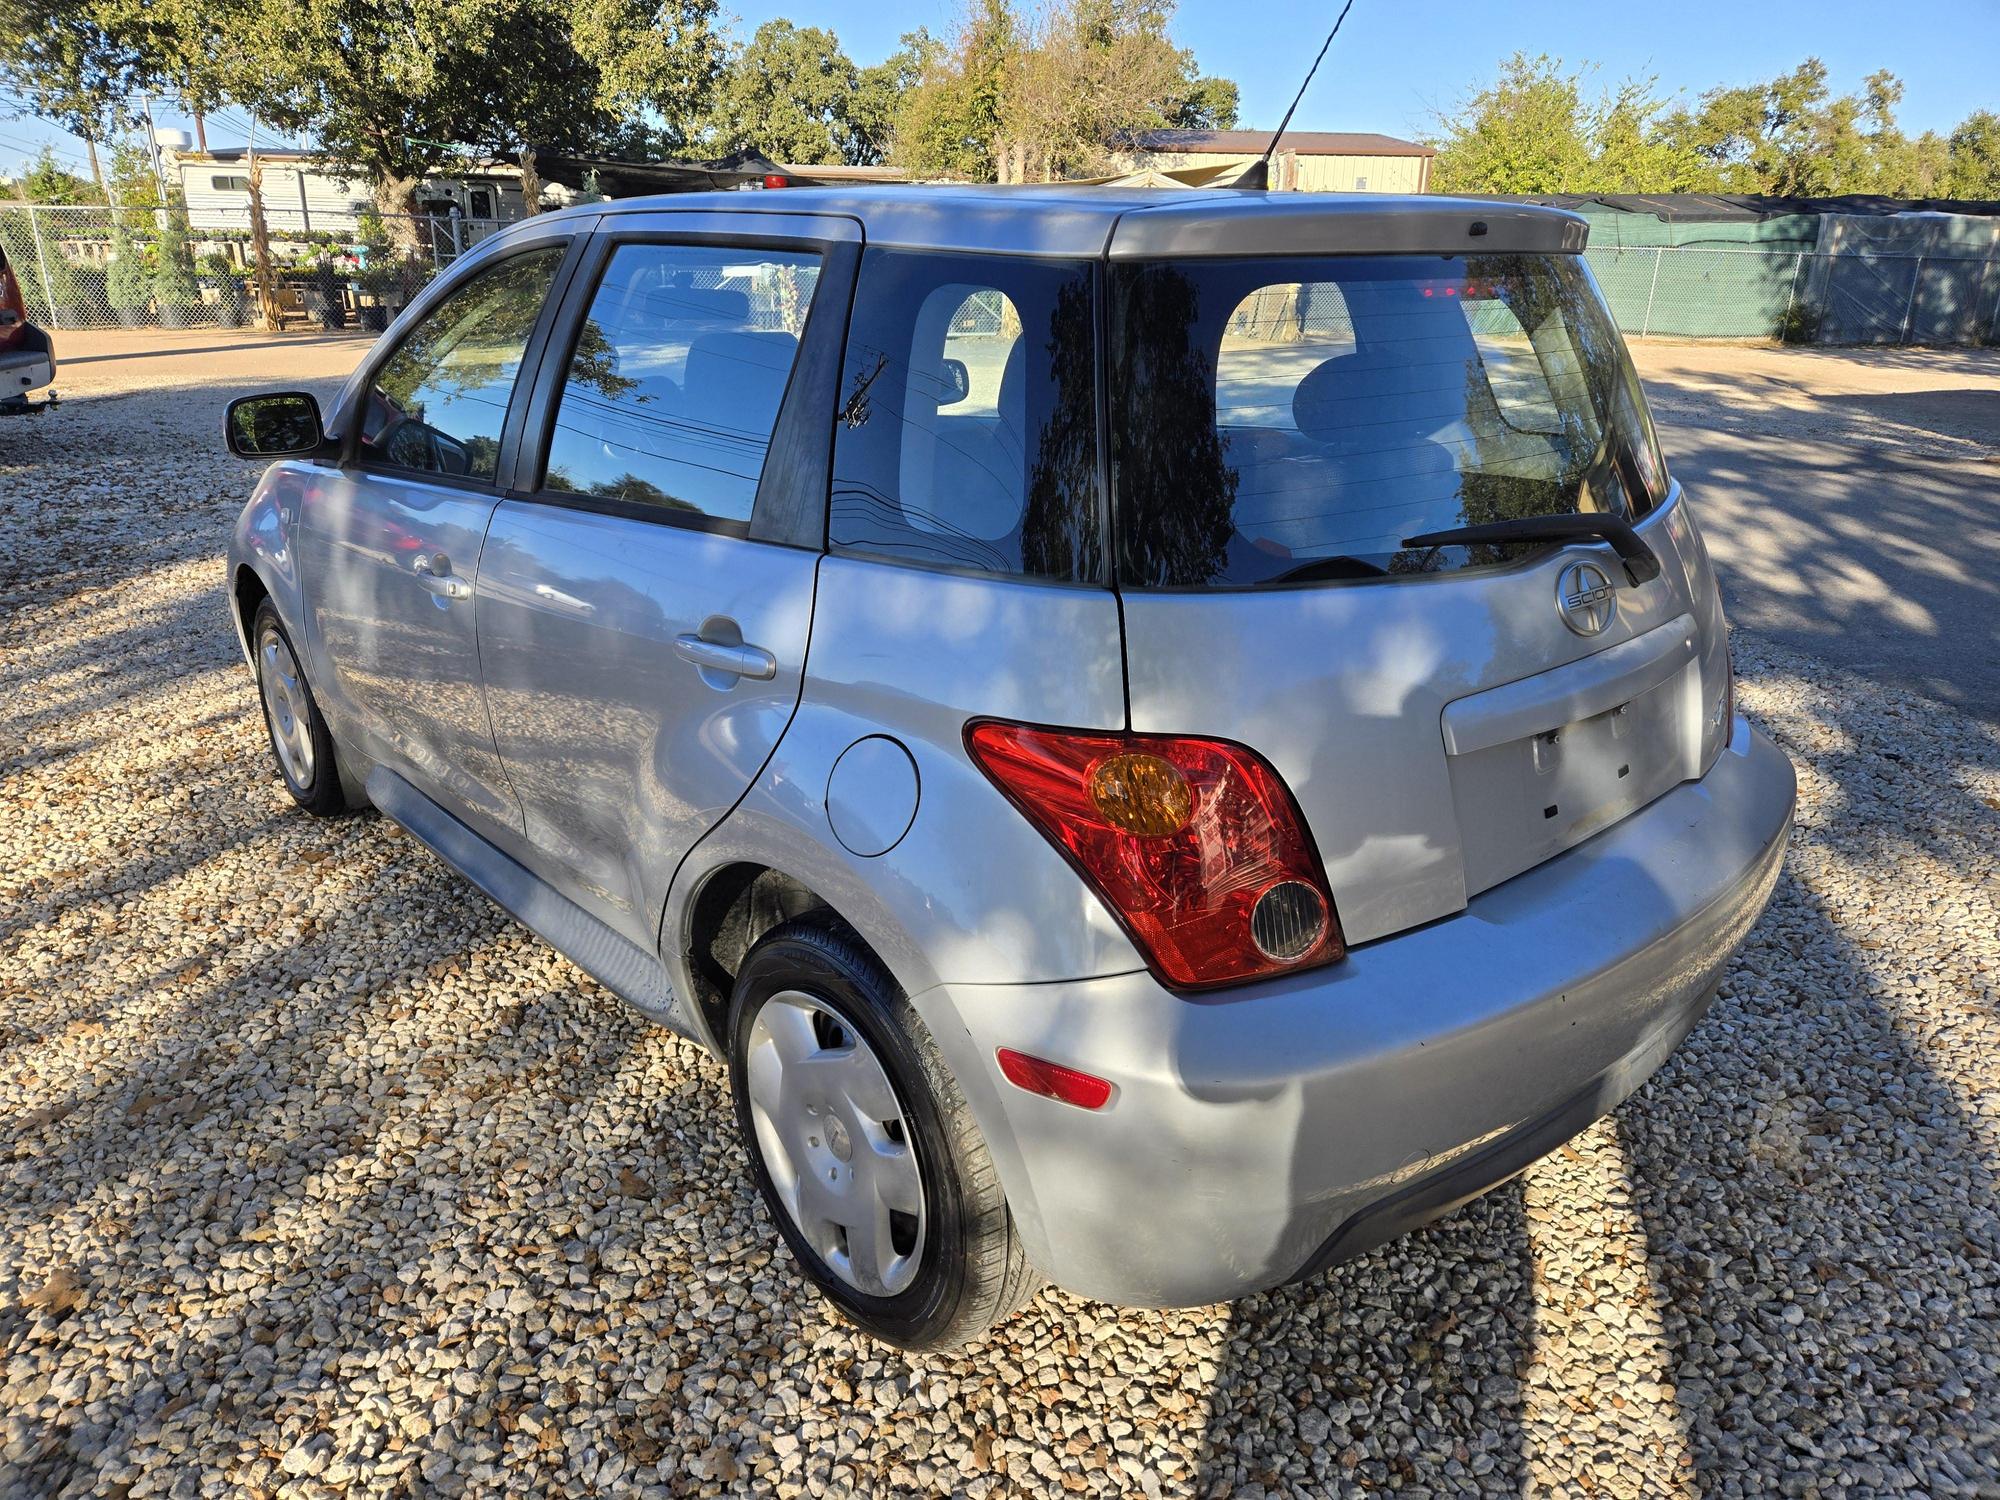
{"x": 1054, "y": 96}
{"x": 878, "y": 97}
{"x": 397, "y": 89}
{"x": 1792, "y": 136}
{"x": 788, "y": 95}
{"x": 70, "y": 69}
{"x": 1537, "y": 129}
{"x": 1528, "y": 132}
{"x": 46, "y": 181}
{"x": 1974, "y": 157}
{"x": 1207, "y": 104}
{"x": 950, "y": 122}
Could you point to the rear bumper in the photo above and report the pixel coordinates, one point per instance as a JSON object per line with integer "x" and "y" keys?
{"x": 29, "y": 367}
{"x": 1262, "y": 1134}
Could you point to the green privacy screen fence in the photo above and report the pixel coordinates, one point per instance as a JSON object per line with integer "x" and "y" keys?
{"x": 1853, "y": 270}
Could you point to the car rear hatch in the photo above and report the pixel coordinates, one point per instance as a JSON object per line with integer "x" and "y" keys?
{"x": 1288, "y": 408}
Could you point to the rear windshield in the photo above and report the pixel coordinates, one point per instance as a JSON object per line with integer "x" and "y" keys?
{"x": 1293, "y": 420}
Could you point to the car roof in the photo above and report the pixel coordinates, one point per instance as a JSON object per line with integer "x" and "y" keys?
{"x": 1139, "y": 222}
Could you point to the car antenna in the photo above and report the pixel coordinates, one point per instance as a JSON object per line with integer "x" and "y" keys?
{"x": 1258, "y": 173}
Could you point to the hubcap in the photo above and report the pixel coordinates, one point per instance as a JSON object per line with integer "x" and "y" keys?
{"x": 284, "y": 693}
{"x": 833, "y": 1137}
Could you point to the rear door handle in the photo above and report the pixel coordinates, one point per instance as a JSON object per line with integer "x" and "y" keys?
{"x": 433, "y": 571}
{"x": 717, "y": 656}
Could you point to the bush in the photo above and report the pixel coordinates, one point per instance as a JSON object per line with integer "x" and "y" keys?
{"x": 126, "y": 285}
{"x": 173, "y": 279}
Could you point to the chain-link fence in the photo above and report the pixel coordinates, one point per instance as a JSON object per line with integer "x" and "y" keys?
{"x": 92, "y": 267}
{"x": 108, "y": 268}
{"x": 1855, "y": 296}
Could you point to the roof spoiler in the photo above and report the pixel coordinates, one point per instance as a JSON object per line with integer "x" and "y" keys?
{"x": 1342, "y": 224}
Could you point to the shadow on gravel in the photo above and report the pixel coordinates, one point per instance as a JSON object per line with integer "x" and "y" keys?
{"x": 1819, "y": 1201}
{"x": 309, "y": 1187}
{"x": 1404, "y": 1365}
{"x": 1884, "y": 561}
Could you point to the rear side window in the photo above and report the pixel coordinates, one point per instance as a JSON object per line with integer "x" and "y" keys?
{"x": 966, "y": 435}
{"x": 677, "y": 376}
{"x": 439, "y": 402}
{"x": 1278, "y": 420}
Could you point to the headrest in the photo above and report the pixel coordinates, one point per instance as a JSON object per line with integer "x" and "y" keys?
{"x": 737, "y": 380}
{"x": 699, "y": 304}
{"x": 1324, "y": 399}
{"x": 1013, "y": 397}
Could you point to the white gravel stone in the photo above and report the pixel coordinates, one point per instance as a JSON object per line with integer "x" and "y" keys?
{"x": 311, "y": 1177}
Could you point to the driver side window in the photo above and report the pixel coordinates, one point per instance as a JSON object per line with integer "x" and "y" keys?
{"x": 438, "y": 404}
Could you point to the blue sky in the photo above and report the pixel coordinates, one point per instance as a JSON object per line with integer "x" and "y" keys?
{"x": 1395, "y": 63}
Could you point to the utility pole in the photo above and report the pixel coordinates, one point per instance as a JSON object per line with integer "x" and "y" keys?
{"x": 153, "y": 149}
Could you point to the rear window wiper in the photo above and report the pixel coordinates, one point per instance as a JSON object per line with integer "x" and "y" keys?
{"x": 1641, "y": 566}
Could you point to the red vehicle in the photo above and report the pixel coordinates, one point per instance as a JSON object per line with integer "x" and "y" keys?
{"x": 27, "y": 356}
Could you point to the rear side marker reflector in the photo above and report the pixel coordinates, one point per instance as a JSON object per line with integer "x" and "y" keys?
{"x": 1053, "y": 1081}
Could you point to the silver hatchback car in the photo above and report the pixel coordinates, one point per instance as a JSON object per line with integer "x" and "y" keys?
{"x": 1165, "y": 738}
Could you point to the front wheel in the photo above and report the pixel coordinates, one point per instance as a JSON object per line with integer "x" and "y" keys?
{"x": 301, "y": 743}
{"x": 863, "y": 1146}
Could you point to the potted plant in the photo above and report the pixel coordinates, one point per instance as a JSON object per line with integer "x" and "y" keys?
{"x": 173, "y": 274}
{"x": 232, "y": 304}
{"x": 374, "y": 280}
{"x": 127, "y": 287}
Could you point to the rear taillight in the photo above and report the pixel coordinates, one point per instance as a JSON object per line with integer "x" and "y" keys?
{"x": 1194, "y": 844}
{"x": 13, "y": 311}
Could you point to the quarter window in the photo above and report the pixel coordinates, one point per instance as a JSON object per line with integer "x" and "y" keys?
{"x": 677, "y": 376}
{"x": 438, "y": 405}
{"x": 966, "y": 435}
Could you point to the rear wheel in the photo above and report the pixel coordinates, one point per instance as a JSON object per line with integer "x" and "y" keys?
{"x": 301, "y": 743}
{"x": 863, "y": 1147}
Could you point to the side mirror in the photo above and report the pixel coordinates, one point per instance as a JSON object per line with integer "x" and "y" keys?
{"x": 283, "y": 424}
{"x": 957, "y": 383}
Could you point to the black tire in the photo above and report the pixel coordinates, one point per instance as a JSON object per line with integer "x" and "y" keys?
{"x": 972, "y": 1274}
{"x": 317, "y": 788}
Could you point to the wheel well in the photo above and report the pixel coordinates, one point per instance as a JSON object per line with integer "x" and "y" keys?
{"x": 735, "y": 907}
{"x": 250, "y": 592}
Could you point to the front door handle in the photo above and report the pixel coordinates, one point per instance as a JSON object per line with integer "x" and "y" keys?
{"x": 433, "y": 570}
{"x": 719, "y": 656}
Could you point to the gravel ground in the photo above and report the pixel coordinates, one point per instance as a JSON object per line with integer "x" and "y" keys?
{"x": 319, "y": 1175}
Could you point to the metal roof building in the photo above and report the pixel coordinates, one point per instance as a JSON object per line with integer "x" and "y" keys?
{"x": 1307, "y": 161}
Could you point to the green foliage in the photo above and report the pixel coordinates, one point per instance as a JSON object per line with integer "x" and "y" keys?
{"x": 126, "y": 282}
{"x": 1051, "y": 96}
{"x": 1538, "y": 129}
{"x": 133, "y": 183}
{"x": 1208, "y": 104}
{"x": 71, "y": 64}
{"x": 1973, "y": 160}
{"x": 46, "y": 182}
{"x": 877, "y": 100}
{"x": 173, "y": 275}
{"x": 949, "y": 124}
{"x": 400, "y": 89}
{"x": 786, "y": 94}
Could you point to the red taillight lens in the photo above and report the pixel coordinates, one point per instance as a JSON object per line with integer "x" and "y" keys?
{"x": 1194, "y": 844}
{"x": 13, "y": 311}
{"x": 1052, "y": 1080}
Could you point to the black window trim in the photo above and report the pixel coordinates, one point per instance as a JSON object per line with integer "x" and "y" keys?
{"x": 822, "y": 343}
{"x": 570, "y": 236}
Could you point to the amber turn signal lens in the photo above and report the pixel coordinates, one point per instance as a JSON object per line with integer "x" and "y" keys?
{"x": 1142, "y": 794}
